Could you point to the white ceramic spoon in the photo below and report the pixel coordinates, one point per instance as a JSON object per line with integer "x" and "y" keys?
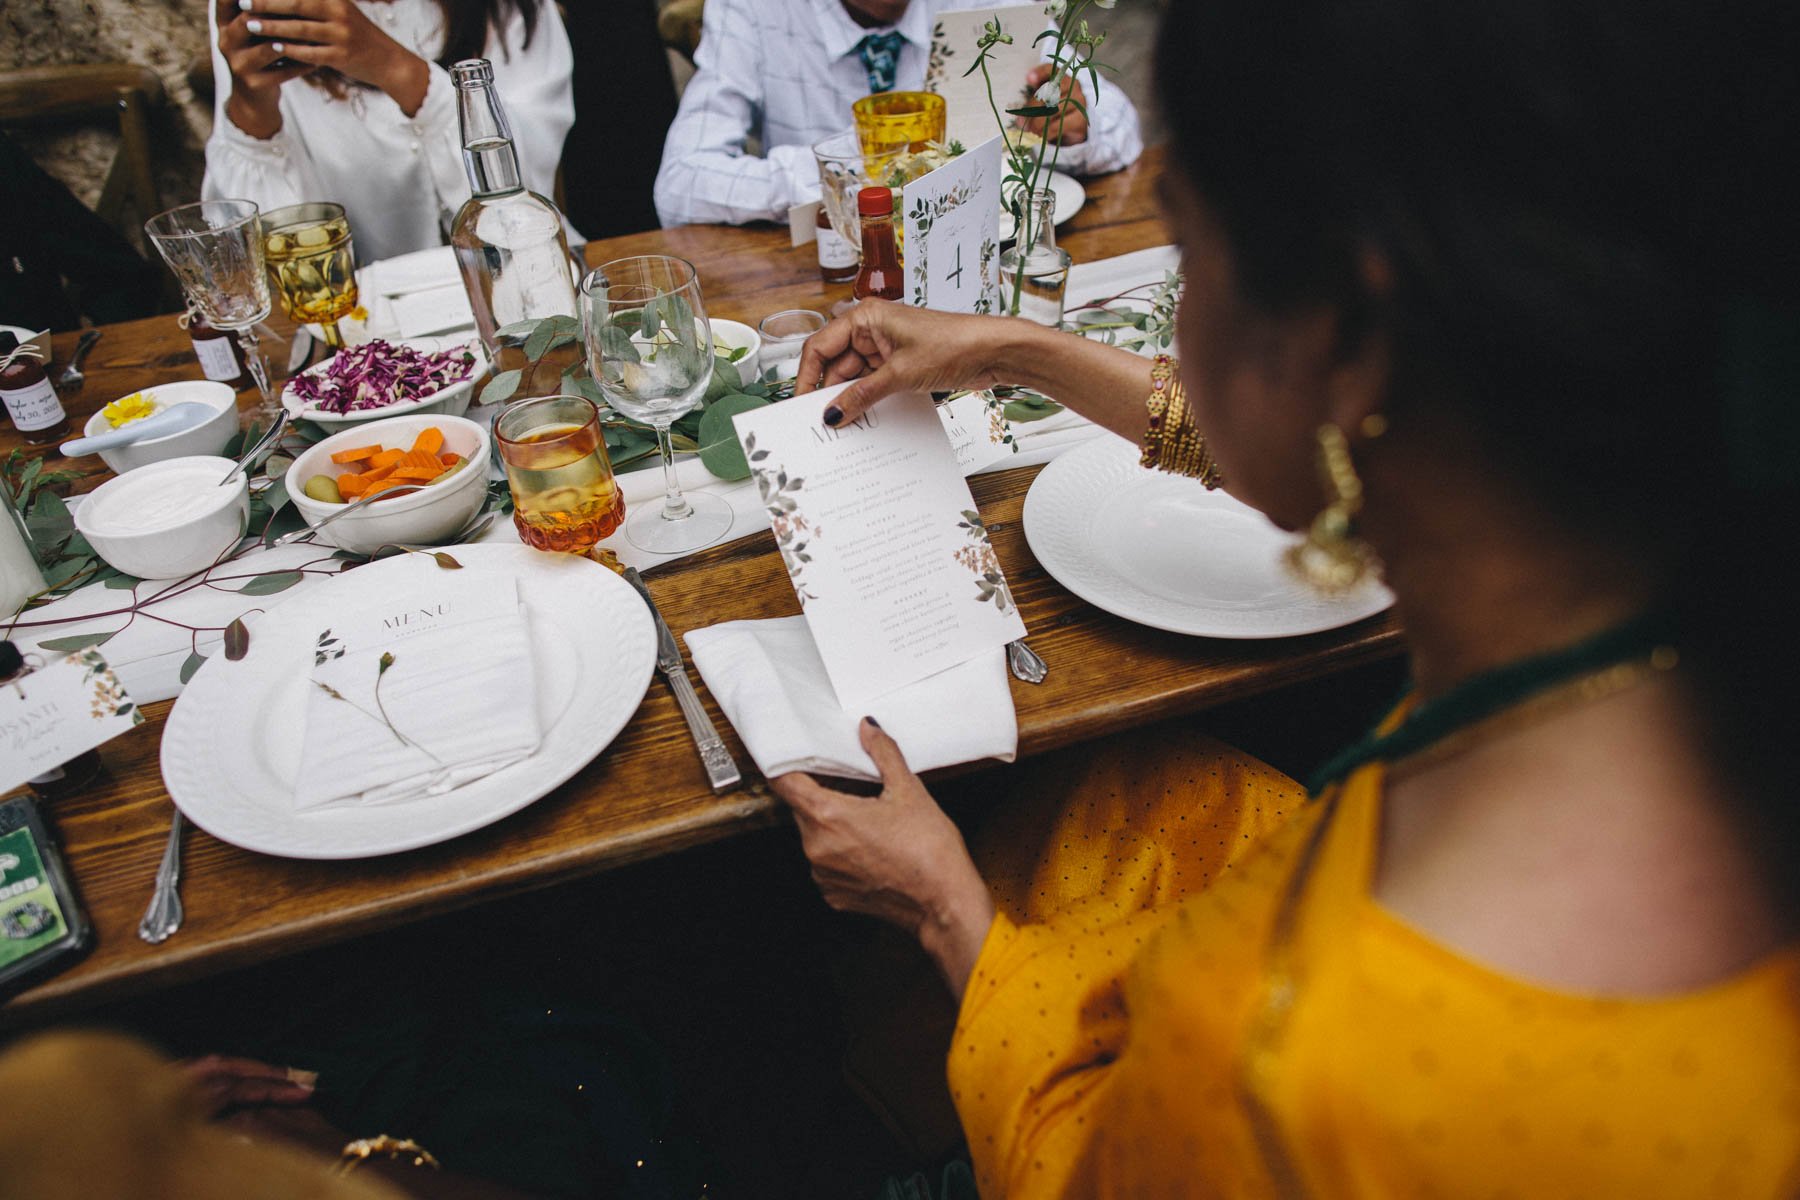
{"x": 177, "y": 418}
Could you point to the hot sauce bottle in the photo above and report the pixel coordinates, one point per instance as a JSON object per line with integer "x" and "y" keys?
{"x": 879, "y": 277}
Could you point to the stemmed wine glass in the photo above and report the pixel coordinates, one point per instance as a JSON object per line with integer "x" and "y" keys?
{"x": 649, "y": 347}
{"x": 215, "y": 248}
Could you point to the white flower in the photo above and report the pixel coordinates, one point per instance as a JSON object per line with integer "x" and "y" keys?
{"x": 1105, "y": 3}
{"x": 1050, "y": 91}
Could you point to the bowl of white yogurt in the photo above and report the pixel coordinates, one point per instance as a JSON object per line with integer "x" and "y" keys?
{"x": 166, "y": 519}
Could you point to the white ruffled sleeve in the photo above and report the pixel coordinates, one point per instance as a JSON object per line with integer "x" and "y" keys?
{"x": 270, "y": 172}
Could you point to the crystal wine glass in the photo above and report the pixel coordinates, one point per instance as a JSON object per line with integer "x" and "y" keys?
{"x": 649, "y": 347}
{"x": 215, "y": 248}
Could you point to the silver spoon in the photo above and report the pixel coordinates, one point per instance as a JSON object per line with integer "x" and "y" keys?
{"x": 72, "y": 377}
{"x": 263, "y": 444}
{"x": 1025, "y": 663}
{"x": 401, "y": 490}
{"x": 165, "y": 914}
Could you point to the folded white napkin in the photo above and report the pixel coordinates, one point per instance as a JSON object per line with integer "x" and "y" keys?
{"x": 457, "y": 701}
{"x": 771, "y": 682}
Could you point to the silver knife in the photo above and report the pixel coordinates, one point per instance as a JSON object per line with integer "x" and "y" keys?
{"x": 721, "y": 771}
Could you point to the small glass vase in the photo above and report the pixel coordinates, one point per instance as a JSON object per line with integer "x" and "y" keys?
{"x": 1034, "y": 270}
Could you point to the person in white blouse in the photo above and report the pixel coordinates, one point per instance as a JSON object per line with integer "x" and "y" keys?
{"x": 349, "y": 101}
{"x": 786, "y": 73}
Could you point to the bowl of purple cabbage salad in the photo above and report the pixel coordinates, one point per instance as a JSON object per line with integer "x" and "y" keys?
{"x": 385, "y": 379}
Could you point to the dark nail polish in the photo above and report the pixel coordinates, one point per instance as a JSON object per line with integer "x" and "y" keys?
{"x": 833, "y": 414}
{"x": 873, "y": 721}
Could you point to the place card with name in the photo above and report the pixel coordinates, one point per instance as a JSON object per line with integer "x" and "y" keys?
{"x": 951, "y": 217}
{"x": 980, "y": 434}
{"x": 881, "y": 540}
{"x": 59, "y": 711}
{"x": 968, "y": 115}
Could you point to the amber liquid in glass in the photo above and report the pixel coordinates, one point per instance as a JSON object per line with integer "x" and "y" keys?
{"x": 564, "y": 496}
{"x": 314, "y": 270}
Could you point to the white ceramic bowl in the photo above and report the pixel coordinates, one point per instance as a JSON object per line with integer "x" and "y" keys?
{"x": 452, "y": 401}
{"x": 191, "y": 544}
{"x": 422, "y": 518}
{"x": 733, "y": 335}
{"x": 208, "y": 437}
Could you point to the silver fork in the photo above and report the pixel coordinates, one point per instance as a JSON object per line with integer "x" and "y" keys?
{"x": 72, "y": 377}
{"x": 1025, "y": 662}
{"x": 165, "y": 913}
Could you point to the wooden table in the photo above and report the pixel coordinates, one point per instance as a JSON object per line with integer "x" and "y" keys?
{"x": 646, "y": 794}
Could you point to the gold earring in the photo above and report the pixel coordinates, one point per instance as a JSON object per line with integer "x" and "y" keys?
{"x": 1333, "y": 559}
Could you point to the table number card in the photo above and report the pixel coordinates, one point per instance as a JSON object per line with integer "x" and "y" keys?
{"x": 881, "y": 540}
{"x": 59, "y": 711}
{"x": 968, "y": 117}
{"x": 952, "y": 221}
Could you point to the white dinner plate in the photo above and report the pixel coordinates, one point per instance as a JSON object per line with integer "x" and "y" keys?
{"x": 1161, "y": 550}
{"x": 231, "y": 749}
{"x": 1070, "y": 196}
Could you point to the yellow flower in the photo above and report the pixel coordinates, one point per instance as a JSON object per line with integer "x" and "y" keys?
{"x": 134, "y": 407}
{"x": 359, "y": 313}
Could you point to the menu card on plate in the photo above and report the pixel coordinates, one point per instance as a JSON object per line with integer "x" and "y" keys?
{"x": 969, "y": 118}
{"x": 420, "y": 692}
{"x": 951, "y": 218}
{"x": 881, "y": 540}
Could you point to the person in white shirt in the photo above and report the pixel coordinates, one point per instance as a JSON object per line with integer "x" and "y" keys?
{"x": 350, "y": 101}
{"x": 786, "y": 73}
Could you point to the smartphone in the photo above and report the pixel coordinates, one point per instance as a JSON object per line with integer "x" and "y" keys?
{"x": 42, "y": 927}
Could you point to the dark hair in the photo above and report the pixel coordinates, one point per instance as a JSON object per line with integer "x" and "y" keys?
{"x": 465, "y": 36}
{"x": 1580, "y": 201}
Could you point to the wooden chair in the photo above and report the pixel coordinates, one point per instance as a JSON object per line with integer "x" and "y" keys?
{"x": 34, "y": 97}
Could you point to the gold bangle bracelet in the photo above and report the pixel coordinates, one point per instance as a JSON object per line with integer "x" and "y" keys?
{"x": 356, "y": 1153}
{"x": 1171, "y": 443}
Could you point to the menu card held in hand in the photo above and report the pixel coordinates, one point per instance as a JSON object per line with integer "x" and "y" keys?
{"x": 421, "y": 693}
{"x": 881, "y": 540}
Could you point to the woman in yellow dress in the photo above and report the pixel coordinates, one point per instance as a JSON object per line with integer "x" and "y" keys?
{"x": 1494, "y": 299}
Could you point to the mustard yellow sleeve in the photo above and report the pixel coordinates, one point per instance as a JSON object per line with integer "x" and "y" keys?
{"x": 1042, "y": 1021}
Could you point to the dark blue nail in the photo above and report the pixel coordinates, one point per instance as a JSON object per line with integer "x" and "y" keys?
{"x": 873, "y": 721}
{"x": 833, "y": 414}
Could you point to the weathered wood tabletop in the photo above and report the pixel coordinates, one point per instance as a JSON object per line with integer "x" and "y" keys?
{"x": 646, "y": 794}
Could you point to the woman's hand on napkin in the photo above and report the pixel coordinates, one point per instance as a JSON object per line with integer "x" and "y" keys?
{"x": 895, "y": 856}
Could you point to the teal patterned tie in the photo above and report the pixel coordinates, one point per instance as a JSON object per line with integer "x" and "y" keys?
{"x": 880, "y": 54}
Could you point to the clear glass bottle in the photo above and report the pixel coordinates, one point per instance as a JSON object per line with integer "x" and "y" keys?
{"x": 1034, "y": 270}
{"x": 509, "y": 240}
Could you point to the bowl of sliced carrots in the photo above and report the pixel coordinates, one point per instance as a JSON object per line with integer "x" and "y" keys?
{"x": 449, "y": 455}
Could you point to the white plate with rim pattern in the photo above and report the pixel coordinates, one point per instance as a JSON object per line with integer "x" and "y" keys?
{"x": 1161, "y": 550}
{"x": 231, "y": 748}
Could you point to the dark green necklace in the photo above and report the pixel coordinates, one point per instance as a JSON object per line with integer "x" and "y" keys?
{"x": 1647, "y": 637}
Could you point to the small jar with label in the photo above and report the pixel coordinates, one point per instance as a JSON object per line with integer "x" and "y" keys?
{"x": 837, "y": 257}
{"x": 221, "y": 357}
{"x": 30, "y": 400}
{"x": 72, "y": 776}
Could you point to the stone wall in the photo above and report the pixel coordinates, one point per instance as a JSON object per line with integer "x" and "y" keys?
{"x": 168, "y": 36}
